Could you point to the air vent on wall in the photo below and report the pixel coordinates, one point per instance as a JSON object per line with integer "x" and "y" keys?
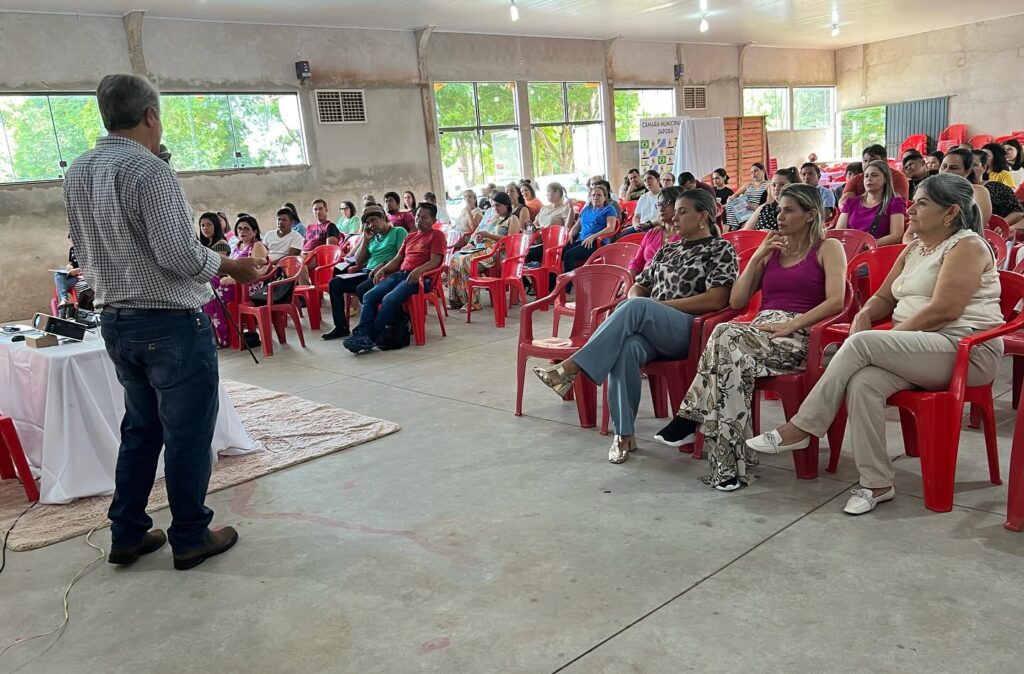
{"x": 695, "y": 98}
{"x": 340, "y": 106}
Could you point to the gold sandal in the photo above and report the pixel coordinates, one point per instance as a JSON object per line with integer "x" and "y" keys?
{"x": 555, "y": 378}
{"x": 620, "y": 450}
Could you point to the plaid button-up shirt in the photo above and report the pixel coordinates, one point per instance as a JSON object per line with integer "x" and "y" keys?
{"x": 132, "y": 230}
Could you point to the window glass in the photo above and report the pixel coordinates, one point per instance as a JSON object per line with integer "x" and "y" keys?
{"x": 632, "y": 105}
{"x": 812, "y": 107}
{"x": 772, "y": 103}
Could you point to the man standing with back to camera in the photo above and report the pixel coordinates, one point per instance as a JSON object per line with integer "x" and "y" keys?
{"x": 132, "y": 230}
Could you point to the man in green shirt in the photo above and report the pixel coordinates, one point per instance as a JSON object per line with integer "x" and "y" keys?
{"x": 380, "y": 244}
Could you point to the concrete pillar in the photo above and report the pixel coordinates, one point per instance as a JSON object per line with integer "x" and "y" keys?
{"x": 611, "y": 150}
{"x": 525, "y": 129}
{"x": 434, "y": 167}
{"x": 133, "y": 34}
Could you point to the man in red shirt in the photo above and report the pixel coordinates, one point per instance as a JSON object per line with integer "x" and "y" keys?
{"x": 396, "y": 217}
{"x": 399, "y": 279}
{"x": 855, "y": 186}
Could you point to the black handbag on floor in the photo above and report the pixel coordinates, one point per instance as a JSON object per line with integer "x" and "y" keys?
{"x": 396, "y": 332}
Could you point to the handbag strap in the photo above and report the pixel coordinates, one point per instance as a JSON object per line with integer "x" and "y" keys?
{"x": 878, "y": 219}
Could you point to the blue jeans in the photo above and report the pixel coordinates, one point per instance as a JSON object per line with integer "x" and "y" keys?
{"x": 64, "y": 284}
{"x": 389, "y": 295}
{"x": 337, "y": 288}
{"x": 638, "y": 331}
{"x": 168, "y": 367}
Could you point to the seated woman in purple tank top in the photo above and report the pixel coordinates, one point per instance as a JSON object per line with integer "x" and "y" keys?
{"x": 802, "y": 279}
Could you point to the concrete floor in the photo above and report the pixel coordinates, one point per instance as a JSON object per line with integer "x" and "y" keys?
{"x": 475, "y": 541}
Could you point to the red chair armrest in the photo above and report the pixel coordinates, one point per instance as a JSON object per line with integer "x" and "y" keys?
{"x": 474, "y": 264}
{"x": 958, "y": 382}
{"x": 526, "y": 313}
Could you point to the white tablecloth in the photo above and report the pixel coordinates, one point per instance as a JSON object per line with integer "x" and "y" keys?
{"x": 67, "y": 405}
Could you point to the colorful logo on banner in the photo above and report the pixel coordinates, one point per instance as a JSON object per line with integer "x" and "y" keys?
{"x": 658, "y": 143}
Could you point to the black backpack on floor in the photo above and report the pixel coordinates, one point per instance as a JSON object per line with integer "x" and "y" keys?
{"x": 396, "y": 332}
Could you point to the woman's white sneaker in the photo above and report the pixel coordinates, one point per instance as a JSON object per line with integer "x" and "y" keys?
{"x": 771, "y": 443}
{"x": 863, "y": 502}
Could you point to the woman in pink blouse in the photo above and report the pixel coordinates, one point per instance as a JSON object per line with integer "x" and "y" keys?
{"x": 659, "y": 234}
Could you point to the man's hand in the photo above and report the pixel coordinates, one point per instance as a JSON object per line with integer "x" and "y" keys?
{"x": 378, "y": 276}
{"x": 244, "y": 269}
{"x": 413, "y": 278}
{"x": 74, "y": 272}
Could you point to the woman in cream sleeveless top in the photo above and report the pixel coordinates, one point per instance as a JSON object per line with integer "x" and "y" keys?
{"x": 943, "y": 287}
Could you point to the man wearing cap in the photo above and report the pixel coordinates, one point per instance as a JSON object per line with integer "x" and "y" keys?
{"x": 381, "y": 242}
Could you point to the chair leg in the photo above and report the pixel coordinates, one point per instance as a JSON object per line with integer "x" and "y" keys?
{"x": 469, "y": 301}
{"x": 520, "y": 377}
{"x": 1018, "y": 379}
{"x": 263, "y": 324}
{"x": 438, "y": 308}
{"x": 805, "y": 461}
{"x": 835, "y": 438}
{"x": 938, "y": 454}
{"x": 910, "y": 433}
{"x": 988, "y": 418}
{"x": 500, "y": 303}
{"x": 313, "y": 304}
{"x": 604, "y": 408}
{"x": 10, "y": 446}
{"x": 755, "y": 413}
{"x": 416, "y": 306}
{"x": 586, "y": 401}
{"x": 280, "y": 322}
{"x": 298, "y": 324}
{"x": 1015, "y": 500}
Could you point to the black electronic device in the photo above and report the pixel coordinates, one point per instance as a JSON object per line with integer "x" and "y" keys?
{"x": 302, "y": 71}
{"x": 59, "y": 327}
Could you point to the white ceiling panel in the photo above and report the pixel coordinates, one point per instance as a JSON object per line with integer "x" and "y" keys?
{"x": 786, "y": 23}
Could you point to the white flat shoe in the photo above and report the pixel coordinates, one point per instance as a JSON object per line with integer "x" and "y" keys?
{"x": 771, "y": 443}
{"x": 863, "y": 502}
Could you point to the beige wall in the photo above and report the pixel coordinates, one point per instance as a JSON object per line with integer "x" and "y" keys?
{"x": 980, "y": 66}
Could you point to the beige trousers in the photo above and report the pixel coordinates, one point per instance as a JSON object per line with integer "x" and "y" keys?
{"x": 871, "y": 366}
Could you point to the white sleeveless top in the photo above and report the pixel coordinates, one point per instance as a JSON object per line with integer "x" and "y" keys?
{"x": 914, "y": 287}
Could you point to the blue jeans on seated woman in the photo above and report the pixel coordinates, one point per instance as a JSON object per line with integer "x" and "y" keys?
{"x": 638, "y": 331}
{"x": 382, "y": 303}
{"x": 167, "y": 365}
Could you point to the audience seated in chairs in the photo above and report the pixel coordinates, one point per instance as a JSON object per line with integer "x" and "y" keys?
{"x": 381, "y": 243}
{"x": 943, "y": 287}
{"x": 396, "y": 215}
{"x": 766, "y": 216}
{"x": 1005, "y": 204}
{"x": 855, "y": 187}
{"x": 646, "y": 212}
{"x": 211, "y": 235}
{"x": 915, "y": 169}
{"x": 597, "y": 220}
{"x": 933, "y": 160}
{"x": 687, "y": 278}
{"x": 802, "y": 279}
{"x": 667, "y": 180}
{"x": 470, "y": 217}
{"x": 557, "y": 212}
{"x": 249, "y": 245}
{"x": 810, "y": 174}
{"x": 284, "y": 240}
{"x": 349, "y": 222}
{"x": 959, "y": 161}
{"x": 878, "y": 211}
{"x": 296, "y": 220}
{"x": 520, "y": 210}
{"x": 688, "y": 181}
{"x": 396, "y": 281}
{"x": 632, "y": 185}
{"x": 529, "y": 197}
{"x": 753, "y": 192}
{"x": 443, "y": 218}
{"x": 663, "y": 229}
{"x": 71, "y": 279}
{"x": 409, "y": 202}
{"x": 480, "y": 244}
{"x": 1015, "y": 160}
{"x": 721, "y": 184}
{"x": 997, "y": 168}
{"x": 321, "y": 230}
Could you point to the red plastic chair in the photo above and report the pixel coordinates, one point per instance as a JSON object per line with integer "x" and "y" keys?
{"x": 951, "y": 136}
{"x": 669, "y": 380}
{"x": 879, "y": 261}
{"x": 618, "y": 254}
{"x": 320, "y": 262}
{"x": 554, "y": 240}
{"x": 599, "y": 287}
{"x": 743, "y": 239}
{"x": 854, "y": 241}
{"x": 72, "y": 295}
{"x": 628, "y": 210}
{"x": 635, "y": 237}
{"x": 917, "y": 141}
{"x": 999, "y": 225}
{"x": 272, "y": 313}
{"x": 998, "y": 244}
{"x": 514, "y": 247}
{"x": 13, "y": 462}
{"x": 1015, "y": 489}
{"x": 977, "y": 142}
{"x": 931, "y": 419}
{"x": 416, "y": 305}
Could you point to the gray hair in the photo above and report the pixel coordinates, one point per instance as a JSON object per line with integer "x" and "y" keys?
{"x": 124, "y": 99}
{"x": 704, "y": 203}
{"x": 949, "y": 189}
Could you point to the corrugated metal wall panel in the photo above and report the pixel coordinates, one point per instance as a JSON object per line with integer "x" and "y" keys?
{"x": 929, "y": 116}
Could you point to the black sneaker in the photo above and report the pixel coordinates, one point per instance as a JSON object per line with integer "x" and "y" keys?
{"x": 732, "y": 484}
{"x": 680, "y": 431}
{"x": 359, "y": 344}
{"x": 336, "y": 333}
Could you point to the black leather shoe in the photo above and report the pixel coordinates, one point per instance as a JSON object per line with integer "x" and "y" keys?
{"x": 151, "y": 542}
{"x": 217, "y": 542}
{"x": 336, "y": 333}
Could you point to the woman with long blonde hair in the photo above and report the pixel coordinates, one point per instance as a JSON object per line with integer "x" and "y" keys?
{"x": 802, "y": 279}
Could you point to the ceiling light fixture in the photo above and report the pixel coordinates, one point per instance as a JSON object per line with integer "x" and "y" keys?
{"x": 704, "y": 26}
{"x": 703, "y": 6}
{"x": 835, "y": 30}
{"x": 513, "y": 11}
